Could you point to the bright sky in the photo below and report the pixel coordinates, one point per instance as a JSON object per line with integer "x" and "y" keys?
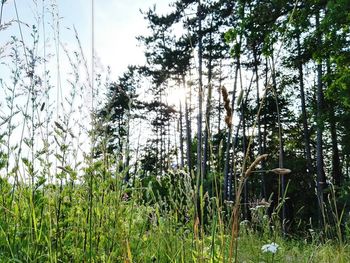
{"x": 117, "y": 23}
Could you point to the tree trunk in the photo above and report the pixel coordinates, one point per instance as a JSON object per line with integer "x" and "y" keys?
{"x": 188, "y": 129}
{"x": 227, "y": 172}
{"x": 182, "y": 163}
{"x": 161, "y": 152}
{"x": 264, "y": 136}
{"x": 347, "y": 158}
{"x": 281, "y": 150}
{"x": 206, "y": 151}
{"x": 199, "y": 179}
{"x": 200, "y": 95}
{"x": 220, "y": 103}
{"x": 127, "y": 145}
{"x": 336, "y": 166}
{"x": 304, "y": 116}
{"x": 256, "y": 70}
{"x": 244, "y": 149}
{"x": 167, "y": 153}
{"x": 321, "y": 178}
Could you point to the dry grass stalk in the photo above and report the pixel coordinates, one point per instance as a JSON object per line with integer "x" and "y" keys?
{"x": 255, "y": 163}
{"x": 228, "y": 117}
{"x": 281, "y": 171}
{"x": 236, "y": 208}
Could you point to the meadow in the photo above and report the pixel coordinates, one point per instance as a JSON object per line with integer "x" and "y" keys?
{"x": 94, "y": 170}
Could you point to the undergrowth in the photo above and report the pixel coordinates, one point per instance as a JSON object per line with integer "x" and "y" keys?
{"x": 132, "y": 224}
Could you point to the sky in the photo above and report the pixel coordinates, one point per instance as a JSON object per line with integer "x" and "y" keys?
{"x": 117, "y": 23}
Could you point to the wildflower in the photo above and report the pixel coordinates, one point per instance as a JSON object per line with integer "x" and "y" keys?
{"x": 264, "y": 203}
{"x": 244, "y": 223}
{"x": 260, "y": 207}
{"x": 228, "y": 202}
{"x": 273, "y": 247}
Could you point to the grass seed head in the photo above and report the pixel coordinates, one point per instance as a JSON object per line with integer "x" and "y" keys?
{"x": 281, "y": 171}
{"x": 228, "y": 109}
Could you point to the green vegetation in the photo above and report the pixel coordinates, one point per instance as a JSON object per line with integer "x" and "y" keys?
{"x": 122, "y": 177}
{"x": 136, "y": 225}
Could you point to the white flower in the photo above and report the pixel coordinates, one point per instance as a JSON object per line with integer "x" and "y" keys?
{"x": 244, "y": 223}
{"x": 270, "y": 248}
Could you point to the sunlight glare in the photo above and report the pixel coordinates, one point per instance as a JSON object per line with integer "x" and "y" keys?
{"x": 176, "y": 95}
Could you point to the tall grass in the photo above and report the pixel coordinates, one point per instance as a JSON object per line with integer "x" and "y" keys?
{"x": 61, "y": 203}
